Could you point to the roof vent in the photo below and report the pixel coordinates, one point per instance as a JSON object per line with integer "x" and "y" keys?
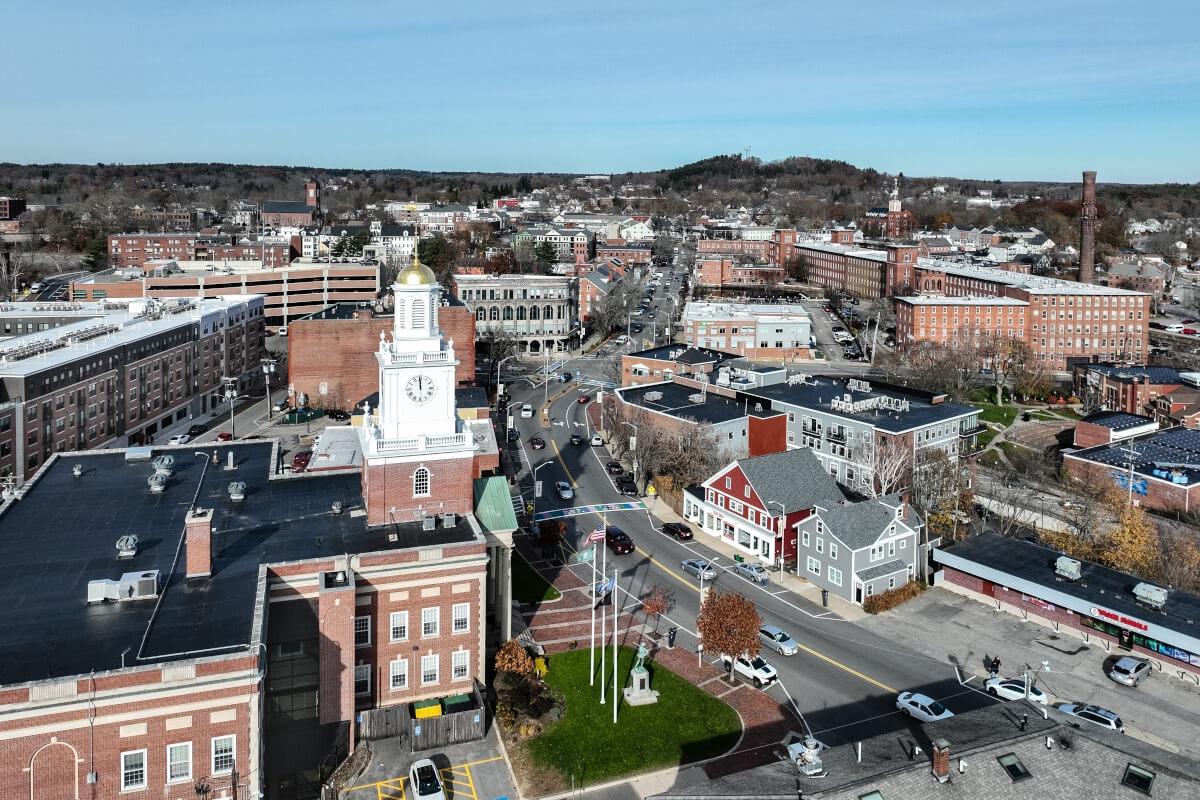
{"x": 696, "y": 398}
{"x": 127, "y": 546}
{"x": 336, "y": 508}
{"x": 164, "y": 465}
{"x": 1067, "y": 567}
{"x": 157, "y": 482}
{"x": 428, "y": 523}
{"x": 237, "y": 491}
{"x": 1148, "y": 594}
{"x": 77, "y": 470}
{"x": 653, "y": 397}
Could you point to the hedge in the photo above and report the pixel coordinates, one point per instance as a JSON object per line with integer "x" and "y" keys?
{"x": 886, "y": 601}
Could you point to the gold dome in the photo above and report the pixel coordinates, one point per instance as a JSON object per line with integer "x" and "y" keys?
{"x": 416, "y": 274}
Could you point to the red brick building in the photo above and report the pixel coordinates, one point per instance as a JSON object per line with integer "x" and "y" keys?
{"x": 1106, "y": 427}
{"x": 1130, "y": 388}
{"x": 136, "y": 250}
{"x": 1164, "y": 474}
{"x": 11, "y": 207}
{"x": 734, "y": 271}
{"x": 778, "y": 250}
{"x": 290, "y": 213}
{"x": 331, "y": 353}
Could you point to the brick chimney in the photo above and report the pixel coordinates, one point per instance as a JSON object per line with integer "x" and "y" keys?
{"x": 1087, "y": 230}
{"x": 198, "y": 540}
{"x": 941, "y": 760}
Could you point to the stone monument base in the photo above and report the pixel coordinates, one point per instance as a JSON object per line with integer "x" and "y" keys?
{"x": 640, "y": 694}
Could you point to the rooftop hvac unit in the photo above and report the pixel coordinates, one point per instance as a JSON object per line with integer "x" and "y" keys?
{"x": 653, "y": 397}
{"x": 428, "y": 523}
{"x": 103, "y": 590}
{"x": 449, "y": 520}
{"x": 127, "y": 546}
{"x": 135, "y": 454}
{"x": 157, "y": 483}
{"x": 237, "y": 491}
{"x": 1067, "y": 567}
{"x": 139, "y": 585}
{"x": 1151, "y": 595}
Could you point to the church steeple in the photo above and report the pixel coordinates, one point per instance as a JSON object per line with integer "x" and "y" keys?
{"x": 894, "y": 201}
{"x": 418, "y": 297}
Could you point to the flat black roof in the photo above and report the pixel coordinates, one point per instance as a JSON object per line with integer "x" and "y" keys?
{"x": 683, "y": 354}
{"x": 679, "y": 401}
{"x": 1097, "y": 584}
{"x": 1117, "y": 420}
{"x": 820, "y": 391}
{"x": 62, "y": 533}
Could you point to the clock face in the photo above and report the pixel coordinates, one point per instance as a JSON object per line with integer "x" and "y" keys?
{"x": 420, "y": 388}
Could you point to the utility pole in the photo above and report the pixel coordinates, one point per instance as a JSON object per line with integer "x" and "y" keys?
{"x": 268, "y": 365}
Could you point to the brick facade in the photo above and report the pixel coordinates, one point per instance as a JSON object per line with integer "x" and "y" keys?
{"x": 388, "y": 489}
{"x": 340, "y": 353}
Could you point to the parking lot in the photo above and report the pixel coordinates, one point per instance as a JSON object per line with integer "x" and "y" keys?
{"x": 470, "y": 771}
{"x": 1163, "y": 710}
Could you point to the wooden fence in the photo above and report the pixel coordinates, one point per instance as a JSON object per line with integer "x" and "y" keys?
{"x": 454, "y": 727}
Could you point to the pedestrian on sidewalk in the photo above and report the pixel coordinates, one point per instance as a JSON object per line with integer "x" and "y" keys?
{"x": 994, "y": 671}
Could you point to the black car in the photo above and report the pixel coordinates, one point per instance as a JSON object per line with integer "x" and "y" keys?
{"x": 618, "y": 541}
{"x": 537, "y": 443}
{"x": 514, "y": 435}
{"x": 678, "y": 530}
{"x": 195, "y": 430}
{"x": 626, "y": 486}
{"x": 340, "y": 416}
{"x": 637, "y": 328}
{"x": 614, "y": 468}
{"x": 576, "y": 438}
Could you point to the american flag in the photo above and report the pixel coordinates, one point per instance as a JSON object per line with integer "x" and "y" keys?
{"x": 598, "y": 534}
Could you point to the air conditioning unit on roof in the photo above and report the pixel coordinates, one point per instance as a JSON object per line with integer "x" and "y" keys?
{"x": 1067, "y": 567}
{"x": 1151, "y": 595}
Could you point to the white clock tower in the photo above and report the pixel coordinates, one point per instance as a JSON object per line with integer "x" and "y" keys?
{"x": 416, "y": 426}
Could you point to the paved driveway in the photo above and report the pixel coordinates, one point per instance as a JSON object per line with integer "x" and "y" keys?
{"x": 470, "y": 771}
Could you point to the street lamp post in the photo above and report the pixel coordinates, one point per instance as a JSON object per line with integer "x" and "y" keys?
{"x": 633, "y": 449}
{"x": 231, "y": 395}
{"x": 499, "y": 368}
{"x": 268, "y": 365}
{"x": 782, "y": 533}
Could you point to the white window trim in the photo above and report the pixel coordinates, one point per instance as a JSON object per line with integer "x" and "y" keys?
{"x": 213, "y": 754}
{"x": 466, "y": 665}
{"x": 835, "y": 571}
{"x": 454, "y": 618}
{"x": 134, "y": 787}
{"x": 437, "y": 670}
{"x": 402, "y": 615}
{"x": 437, "y": 622}
{"x": 183, "y": 778}
{"x": 398, "y": 668}
{"x": 428, "y": 482}
{"x": 814, "y": 566}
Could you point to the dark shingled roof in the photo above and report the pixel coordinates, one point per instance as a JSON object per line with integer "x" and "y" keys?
{"x": 794, "y": 478}
{"x": 287, "y": 207}
{"x": 859, "y": 525}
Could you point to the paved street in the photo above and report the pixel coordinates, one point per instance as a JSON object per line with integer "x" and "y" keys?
{"x": 469, "y": 771}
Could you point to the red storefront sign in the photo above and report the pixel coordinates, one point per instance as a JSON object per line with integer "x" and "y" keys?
{"x": 1120, "y": 619}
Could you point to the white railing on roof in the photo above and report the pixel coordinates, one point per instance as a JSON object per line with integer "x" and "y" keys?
{"x": 417, "y": 443}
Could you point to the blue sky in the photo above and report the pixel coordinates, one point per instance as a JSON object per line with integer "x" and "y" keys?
{"x": 1011, "y": 90}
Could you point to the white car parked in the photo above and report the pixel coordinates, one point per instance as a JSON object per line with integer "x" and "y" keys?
{"x": 922, "y": 707}
{"x": 180, "y": 438}
{"x": 424, "y": 782}
{"x": 755, "y": 670}
{"x": 1014, "y": 689}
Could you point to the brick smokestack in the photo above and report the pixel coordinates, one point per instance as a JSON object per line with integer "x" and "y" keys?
{"x": 1087, "y": 230}
{"x": 941, "y": 760}
{"x": 198, "y": 541}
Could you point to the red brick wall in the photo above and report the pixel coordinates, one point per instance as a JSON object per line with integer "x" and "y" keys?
{"x": 335, "y": 687}
{"x": 1088, "y": 434}
{"x": 1160, "y": 494}
{"x": 767, "y": 435}
{"x": 387, "y": 486}
{"x": 341, "y": 354}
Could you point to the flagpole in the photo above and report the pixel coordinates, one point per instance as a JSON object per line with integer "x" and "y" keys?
{"x": 603, "y": 618}
{"x": 614, "y": 680}
{"x": 592, "y": 657}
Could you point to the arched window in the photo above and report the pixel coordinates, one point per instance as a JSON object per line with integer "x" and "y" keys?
{"x": 421, "y": 482}
{"x": 418, "y": 314}
{"x": 494, "y": 314}
{"x": 548, "y": 312}
{"x": 534, "y": 312}
{"x": 508, "y": 312}
{"x": 481, "y": 313}
{"x": 521, "y": 313}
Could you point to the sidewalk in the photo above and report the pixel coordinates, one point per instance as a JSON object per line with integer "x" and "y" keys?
{"x": 790, "y": 581}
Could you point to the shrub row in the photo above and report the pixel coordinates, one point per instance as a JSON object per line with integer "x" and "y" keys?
{"x": 886, "y": 601}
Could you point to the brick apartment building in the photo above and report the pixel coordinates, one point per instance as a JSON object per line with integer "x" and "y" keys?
{"x": 248, "y": 659}
{"x": 137, "y": 250}
{"x": 735, "y": 271}
{"x": 959, "y": 320}
{"x": 11, "y": 207}
{"x": 81, "y": 376}
{"x": 594, "y": 289}
{"x": 289, "y": 292}
{"x": 758, "y": 331}
{"x": 629, "y": 254}
{"x": 295, "y": 213}
{"x": 175, "y": 218}
{"x": 576, "y": 245}
{"x": 1065, "y": 321}
{"x": 778, "y": 249}
{"x": 331, "y": 357}
{"x": 1140, "y": 276}
{"x": 1129, "y": 388}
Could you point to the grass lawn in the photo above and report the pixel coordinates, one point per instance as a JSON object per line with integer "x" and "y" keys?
{"x": 686, "y": 724}
{"x": 985, "y": 437}
{"x": 1001, "y": 415}
{"x": 527, "y": 585}
{"x": 990, "y": 459}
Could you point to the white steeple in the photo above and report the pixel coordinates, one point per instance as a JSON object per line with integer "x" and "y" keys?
{"x": 894, "y": 202}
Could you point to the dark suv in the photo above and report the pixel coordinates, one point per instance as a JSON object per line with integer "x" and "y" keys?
{"x": 618, "y": 541}
{"x": 627, "y": 487}
{"x": 678, "y": 530}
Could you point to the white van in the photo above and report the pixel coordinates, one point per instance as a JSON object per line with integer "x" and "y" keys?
{"x": 527, "y": 411}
